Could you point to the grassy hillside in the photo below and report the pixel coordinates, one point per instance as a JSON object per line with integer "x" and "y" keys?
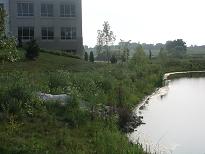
{"x": 50, "y": 62}
{"x": 29, "y": 125}
{"x": 93, "y": 120}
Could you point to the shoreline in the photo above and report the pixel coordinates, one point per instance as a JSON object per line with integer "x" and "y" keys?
{"x": 161, "y": 91}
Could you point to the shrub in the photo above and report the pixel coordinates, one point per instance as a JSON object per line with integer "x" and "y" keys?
{"x": 113, "y": 59}
{"x": 86, "y": 56}
{"x": 20, "y": 43}
{"x": 91, "y": 58}
{"x": 32, "y": 50}
{"x": 124, "y": 116}
{"x": 8, "y": 51}
{"x": 59, "y": 82}
{"x": 17, "y": 99}
{"x": 2, "y": 22}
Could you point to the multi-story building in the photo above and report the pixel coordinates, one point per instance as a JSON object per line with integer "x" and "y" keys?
{"x": 55, "y": 24}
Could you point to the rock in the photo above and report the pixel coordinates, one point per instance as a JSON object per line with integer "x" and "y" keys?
{"x": 63, "y": 98}
{"x": 135, "y": 121}
{"x": 142, "y": 107}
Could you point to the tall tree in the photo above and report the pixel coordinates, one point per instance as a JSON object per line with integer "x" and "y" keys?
{"x": 176, "y": 48}
{"x": 105, "y": 38}
{"x": 150, "y": 54}
{"x": 91, "y": 58}
{"x": 2, "y": 22}
{"x": 86, "y": 56}
{"x": 125, "y": 47}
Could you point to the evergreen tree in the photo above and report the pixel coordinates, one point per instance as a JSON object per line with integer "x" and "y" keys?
{"x": 86, "y": 56}
{"x": 32, "y": 51}
{"x": 113, "y": 59}
{"x": 2, "y": 22}
{"x": 150, "y": 54}
{"x": 91, "y": 58}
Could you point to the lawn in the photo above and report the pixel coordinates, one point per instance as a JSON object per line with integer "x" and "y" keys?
{"x": 50, "y": 62}
{"x": 28, "y": 125}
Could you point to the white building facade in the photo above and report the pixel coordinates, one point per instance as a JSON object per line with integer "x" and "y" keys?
{"x": 54, "y": 24}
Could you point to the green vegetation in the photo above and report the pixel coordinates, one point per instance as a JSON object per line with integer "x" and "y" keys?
{"x": 49, "y": 62}
{"x": 61, "y": 53}
{"x": 176, "y": 48}
{"x": 91, "y": 57}
{"x": 8, "y": 50}
{"x": 101, "y": 99}
{"x": 105, "y": 38}
{"x": 2, "y": 21}
{"x": 30, "y": 125}
{"x": 32, "y": 50}
{"x": 86, "y": 56}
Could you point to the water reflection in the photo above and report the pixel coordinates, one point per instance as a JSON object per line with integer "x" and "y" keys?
{"x": 174, "y": 118}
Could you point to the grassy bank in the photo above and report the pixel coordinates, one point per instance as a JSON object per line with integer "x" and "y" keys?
{"x": 84, "y": 124}
{"x": 29, "y": 125}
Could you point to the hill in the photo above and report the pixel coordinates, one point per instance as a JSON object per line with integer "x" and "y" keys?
{"x": 29, "y": 125}
{"x": 50, "y": 62}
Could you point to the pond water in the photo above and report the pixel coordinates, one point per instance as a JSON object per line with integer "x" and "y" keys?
{"x": 175, "y": 123}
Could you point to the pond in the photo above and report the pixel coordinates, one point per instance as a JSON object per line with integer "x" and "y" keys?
{"x": 175, "y": 122}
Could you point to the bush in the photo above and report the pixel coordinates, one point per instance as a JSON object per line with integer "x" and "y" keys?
{"x": 16, "y": 100}
{"x": 59, "y": 82}
{"x": 124, "y": 116}
{"x": 32, "y": 50}
{"x": 91, "y": 58}
{"x": 8, "y": 51}
{"x": 86, "y": 56}
{"x": 113, "y": 59}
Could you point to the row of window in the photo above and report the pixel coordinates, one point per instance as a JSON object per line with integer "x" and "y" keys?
{"x": 47, "y": 10}
{"x": 47, "y": 33}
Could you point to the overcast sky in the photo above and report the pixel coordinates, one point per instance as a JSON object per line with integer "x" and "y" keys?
{"x": 146, "y": 21}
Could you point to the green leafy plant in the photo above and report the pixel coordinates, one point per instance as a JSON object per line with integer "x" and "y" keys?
{"x": 32, "y": 50}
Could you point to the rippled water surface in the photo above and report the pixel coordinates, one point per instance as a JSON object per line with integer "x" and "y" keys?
{"x": 175, "y": 123}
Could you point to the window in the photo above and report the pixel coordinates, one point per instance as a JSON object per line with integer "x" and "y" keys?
{"x": 47, "y": 10}
{"x": 68, "y": 33}
{"x": 25, "y": 9}
{"x": 47, "y": 33}
{"x": 67, "y": 10}
{"x": 25, "y": 33}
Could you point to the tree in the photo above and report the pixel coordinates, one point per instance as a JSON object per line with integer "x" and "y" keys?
{"x": 125, "y": 50}
{"x": 32, "y": 50}
{"x": 176, "y": 48}
{"x": 2, "y": 22}
{"x": 8, "y": 51}
{"x": 150, "y": 54}
{"x": 139, "y": 56}
{"x": 162, "y": 56}
{"x": 105, "y": 38}
{"x": 91, "y": 58}
{"x": 86, "y": 56}
{"x": 113, "y": 59}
